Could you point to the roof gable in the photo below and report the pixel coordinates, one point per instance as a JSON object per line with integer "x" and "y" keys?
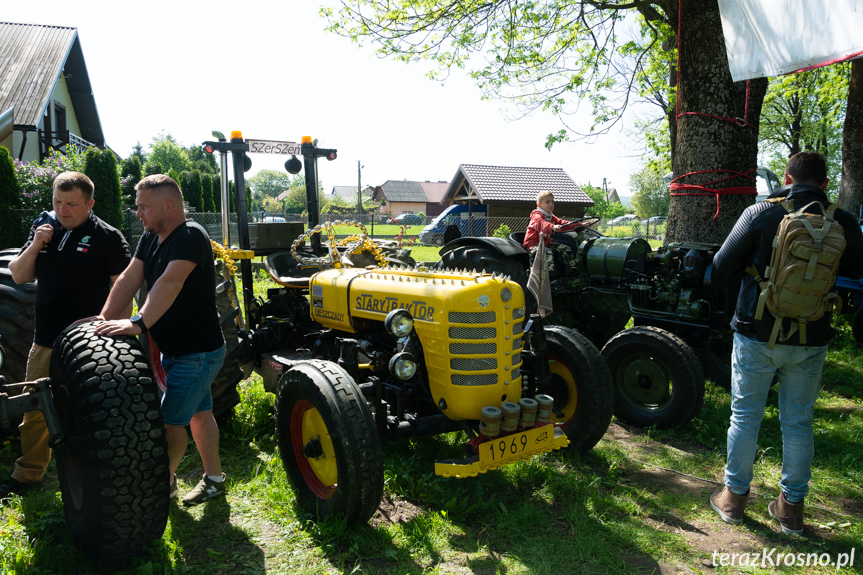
{"x": 403, "y": 191}
{"x": 515, "y": 184}
{"x": 32, "y": 57}
{"x": 434, "y": 191}
{"x": 349, "y": 193}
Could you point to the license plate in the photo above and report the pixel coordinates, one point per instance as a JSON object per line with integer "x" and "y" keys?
{"x": 517, "y": 446}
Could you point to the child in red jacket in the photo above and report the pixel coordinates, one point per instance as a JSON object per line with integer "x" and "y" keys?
{"x": 542, "y": 219}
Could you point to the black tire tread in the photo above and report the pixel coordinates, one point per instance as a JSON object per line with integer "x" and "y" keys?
{"x": 483, "y": 259}
{"x": 857, "y": 325}
{"x": 681, "y": 362}
{"x": 116, "y": 440}
{"x": 594, "y": 386}
{"x": 224, "y": 388}
{"x": 359, "y": 454}
{"x": 17, "y": 319}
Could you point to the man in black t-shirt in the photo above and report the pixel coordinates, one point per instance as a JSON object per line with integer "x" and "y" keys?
{"x": 175, "y": 258}
{"x": 76, "y": 257}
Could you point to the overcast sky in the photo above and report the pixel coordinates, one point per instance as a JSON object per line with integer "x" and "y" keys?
{"x": 269, "y": 69}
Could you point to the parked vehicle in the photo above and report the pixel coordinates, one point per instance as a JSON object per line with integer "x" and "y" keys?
{"x": 681, "y": 322}
{"x": 407, "y": 219}
{"x": 470, "y": 220}
{"x": 363, "y": 348}
{"x": 624, "y": 219}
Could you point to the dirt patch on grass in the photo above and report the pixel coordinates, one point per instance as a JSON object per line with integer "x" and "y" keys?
{"x": 707, "y": 533}
{"x": 392, "y": 511}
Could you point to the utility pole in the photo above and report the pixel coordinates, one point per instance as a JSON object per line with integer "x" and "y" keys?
{"x": 359, "y": 188}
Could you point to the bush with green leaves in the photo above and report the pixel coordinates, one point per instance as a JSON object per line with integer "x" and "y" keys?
{"x": 131, "y": 172}
{"x": 36, "y": 179}
{"x": 190, "y": 183}
{"x": 12, "y": 232}
{"x": 101, "y": 167}
{"x": 207, "y": 190}
{"x": 502, "y": 231}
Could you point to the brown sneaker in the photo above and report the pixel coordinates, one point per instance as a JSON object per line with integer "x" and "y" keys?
{"x": 729, "y": 505}
{"x": 789, "y": 515}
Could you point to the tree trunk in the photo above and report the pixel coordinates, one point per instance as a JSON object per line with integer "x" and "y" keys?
{"x": 705, "y": 143}
{"x": 851, "y": 187}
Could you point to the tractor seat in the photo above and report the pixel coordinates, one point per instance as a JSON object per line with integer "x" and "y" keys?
{"x": 283, "y": 268}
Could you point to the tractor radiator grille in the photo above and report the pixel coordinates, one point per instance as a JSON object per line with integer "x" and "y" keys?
{"x": 472, "y": 348}
{"x": 517, "y": 329}
{"x": 478, "y": 379}
{"x": 518, "y": 313}
{"x": 473, "y": 363}
{"x": 472, "y": 317}
{"x": 472, "y": 333}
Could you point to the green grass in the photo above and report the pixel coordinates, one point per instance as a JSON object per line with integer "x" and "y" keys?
{"x": 637, "y": 503}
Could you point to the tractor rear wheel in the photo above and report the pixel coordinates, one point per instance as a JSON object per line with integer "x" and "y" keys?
{"x": 329, "y": 444}
{"x": 234, "y": 370}
{"x": 17, "y": 317}
{"x": 857, "y": 325}
{"x": 716, "y": 362}
{"x": 483, "y": 259}
{"x": 657, "y": 377}
{"x": 113, "y": 459}
{"x": 580, "y": 385}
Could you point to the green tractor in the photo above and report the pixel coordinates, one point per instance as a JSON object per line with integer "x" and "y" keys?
{"x": 680, "y": 324}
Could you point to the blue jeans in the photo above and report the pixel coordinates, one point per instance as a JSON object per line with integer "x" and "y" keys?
{"x": 188, "y": 381}
{"x": 752, "y": 369}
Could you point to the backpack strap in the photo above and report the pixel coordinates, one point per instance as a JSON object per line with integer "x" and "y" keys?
{"x": 763, "y": 285}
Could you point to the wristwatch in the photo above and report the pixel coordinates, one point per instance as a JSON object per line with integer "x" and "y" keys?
{"x": 138, "y": 320}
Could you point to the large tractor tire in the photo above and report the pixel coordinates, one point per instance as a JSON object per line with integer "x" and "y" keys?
{"x": 330, "y": 448}
{"x": 857, "y": 325}
{"x": 234, "y": 370}
{"x": 716, "y": 362}
{"x": 17, "y": 316}
{"x": 113, "y": 458}
{"x": 580, "y": 385}
{"x": 658, "y": 379}
{"x": 478, "y": 258}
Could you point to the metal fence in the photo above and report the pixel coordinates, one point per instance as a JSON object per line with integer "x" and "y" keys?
{"x": 375, "y": 224}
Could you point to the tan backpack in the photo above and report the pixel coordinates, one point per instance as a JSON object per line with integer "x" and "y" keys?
{"x": 803, "y": 267}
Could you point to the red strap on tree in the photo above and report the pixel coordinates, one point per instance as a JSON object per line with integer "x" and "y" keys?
{"x": 744, "y": 121}
{"x": 702, "y": 190}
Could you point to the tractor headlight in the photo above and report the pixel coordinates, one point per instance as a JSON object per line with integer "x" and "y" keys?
{"x": 403, "y": 366}
{"x": 399, "y": 323}
{"x": 505, "y": 294}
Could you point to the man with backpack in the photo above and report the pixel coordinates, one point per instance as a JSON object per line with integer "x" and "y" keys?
{"x": 781, "y": 327}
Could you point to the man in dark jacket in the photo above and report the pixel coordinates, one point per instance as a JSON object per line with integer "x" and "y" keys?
{"x": 754, "y": 365}
{"x": 76, "y": 258}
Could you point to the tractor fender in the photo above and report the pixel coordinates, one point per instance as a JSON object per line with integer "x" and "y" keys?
{"x": 505, "y": 247}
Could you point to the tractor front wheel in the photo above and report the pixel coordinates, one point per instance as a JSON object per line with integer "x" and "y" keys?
{"x": 580, "y": 385}
{"x": 657, "y": 377}
{"x": 330, "y": 448}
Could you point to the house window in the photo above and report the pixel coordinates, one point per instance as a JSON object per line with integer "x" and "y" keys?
{"x": 60, "y": 119}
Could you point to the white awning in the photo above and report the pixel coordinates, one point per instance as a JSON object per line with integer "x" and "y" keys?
{"x": 775, "y": 37}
